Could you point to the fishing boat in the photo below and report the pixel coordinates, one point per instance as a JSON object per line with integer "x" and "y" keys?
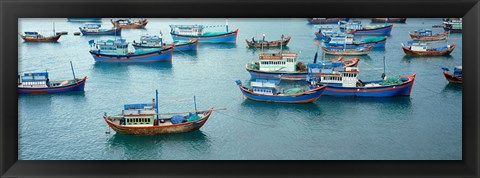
{"x": 427, "y": 35}
{"x": 284, "y": 65}
{"x": 266, "y": 44}
{"x": 36, "y": 37}
{"x": 268, "y": 91}
{"x": 148, "y": 41}
{"x": 348, "y": 41}
{"x": 145, "y": 119}
{"x": 358, "y": 29}
{"x": 39, "y": 83}
{"x": 456, "y": 77}
{"x": 326, "y": 20}
{"x": 358, "y": 51}
{"x": 423, "y": 49}
{"x": 95, "y": 29}
{"x": 120, "y": 51}
{"x": 346, "y": 83}
{"x": 187, "y": 32}
{"x": 389, "y": 20}
{"x": 84, "y": 19}
{"x": 454, "y": 25}
{"x": 325, "y": 31}
{"x": 127, "y": 23}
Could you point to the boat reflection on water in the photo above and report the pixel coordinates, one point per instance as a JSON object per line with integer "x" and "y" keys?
{"x": 411, "y": 59}
{"x": 217, "y": 46}
{"x": 120, "y": 146}
{"x": 122, "y": 67}
{"x": 452, "y": 88}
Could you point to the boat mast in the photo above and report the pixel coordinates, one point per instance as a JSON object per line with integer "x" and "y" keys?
{"x": 195, "y": 103}
{"x": 263, "y": 40}
{"x": 73, "y": 71}
{"x": 226, "y": 24}
{"x": 54, "y": 29}
{"x": 383, "y": 75}
{"x": 281, "y": 44}
{"x": 156, "y": 104}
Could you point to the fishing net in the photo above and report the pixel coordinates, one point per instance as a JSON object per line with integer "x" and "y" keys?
{"x": 176, "y": 119}
{"x": 391, "y": 81}
{"x": 193, "y": 117}
{"x": 301, "y": 66}
{"x": 293, "y": 91}
{"x": 372, "y": 39}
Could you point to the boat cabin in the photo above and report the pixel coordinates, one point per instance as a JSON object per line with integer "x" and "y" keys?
{"x": 264, "y": 87}
{"x": 138, "y": 114}
{"x": 282, "y": 61}
{"x": 33, "y": 35}
{"x": 189, "y": 30}
{"x": 37, "y": 79}
{"x": 151, "y": 40}
{"x": 424, "y": 32}
{"x": 335, "y": 74}
{"x": 457, "y": 71}
{"x": 123, "y": 21}
{"x": 341, "y": 39}
{"x": 119, "y": 46}
{"x": 357, "y": 25}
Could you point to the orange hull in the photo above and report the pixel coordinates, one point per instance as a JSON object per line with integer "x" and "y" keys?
{"x": 45, "y": 39}
{"x": 429, "y": 53}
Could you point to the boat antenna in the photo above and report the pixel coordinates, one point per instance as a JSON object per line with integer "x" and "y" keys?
{"x": 263, "y": 40}
{"x": 383, "y": 75}
{"x": 161, "y": 38}
{"x": 54, "y": 29}
{"x": 73, "y": 71}
{"x": 156, "y": 103}
{"x": 281, "y": 44}
{"x": 316, "y": 53}
{"x": 226, "y": 24}
{"x": 195, "y": 103}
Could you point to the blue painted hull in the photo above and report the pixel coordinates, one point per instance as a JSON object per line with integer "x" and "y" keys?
{"x": 255, "y": 74}
{"x": 378, "y": 44}
{"x": 383, "y": 91}
{"x": 79, "y": 86}
{"x": 158, "y": 56}
{"x": 307, "y": 97}
{"x": 327, "y": 21}
{"x": 378, "y": 31}
{"x": 224, "y": 38}
{"x": 116, "y": 32}
{"x": 187, "y": 47}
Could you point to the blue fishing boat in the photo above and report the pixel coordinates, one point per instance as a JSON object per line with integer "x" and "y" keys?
{"x": 267, "y": 91}
{"x": 346, "y": 83}
{"x": 39, "y": 83}
{"x": 187, "y": 32}
{"x": 120, "y": 51}
{"x": 358, "y": 29}
{"x": 456, "y": 77}
{"x": 325, "y": 31}
{"x": 84, "y": 19}
{"x": 454, "y": 25}
{"x": 148, "y": 41}
{"x": 284, "y": 65}
{"x": 348, "y": 41}
{"x": 95, "y": 29}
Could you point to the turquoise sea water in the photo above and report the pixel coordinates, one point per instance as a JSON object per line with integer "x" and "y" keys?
{"x": 425, "y": 126}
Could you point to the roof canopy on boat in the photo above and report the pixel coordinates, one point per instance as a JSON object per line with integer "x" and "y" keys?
{"x": 35, "y": 76}
{"x": 92, "y": 25}
{"x": 31, "y": 33}
{"x": 137, "y": 106}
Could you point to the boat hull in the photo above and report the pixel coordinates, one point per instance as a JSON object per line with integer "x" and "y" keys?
{"x": 156, "y": 130}
{"x": 326, "y": 21}
{"x": 230, "y": 37}
{"x": 452, "y": 30}
{"x": 376, "y": 44}
{"x": 384, "y": 91}
{"x": 277, "y": 43}
{"x": 116, "y": 32}
{"x": 256, "y": 74}
{"x": 451, "y": 78}
{"x": 46, "y": 39}
{"x": 417, "y": 37}
{"x": 158, "y": 56}
{"x": 306, "y": 97}
{"x": 78, "y": 86}
{"x": 191, "y": 46}
{"x": 429, "y": 53}
{"x": 350, "y": 52}
{"x": 387, "y": 30}
{"x": 390, "y": 20}
{"x": 84, "y": 19}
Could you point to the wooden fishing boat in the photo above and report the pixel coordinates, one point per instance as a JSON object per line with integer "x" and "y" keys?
{"x": 266, "y": 91}
{"x": 119, "y": 51}
{"x": 145, "y": 119}
{"x": 346, "y": 83}
{"x": 456, "y": 77}
{"x": 358, "y": 29}
{"x": 284, "y": 65}
{"x": 325, "y": 31}
{"x": 326, "y": 20}
{"x": 454, "y": 25}
{"x": 427, "y": 35}
{"x": 127, "y": 23}
{"x": 84, "y": 19}
{"x": 39, "y": 83}
{"x": 148, "y": 41}
{"x": 187, "y": 32}
{"x": 348, "y": 41}
{"x": 422, "y": 49}
{"x": 267, "y": 44}
{"x": 36, "y": 37}
{"x": 95, "y": 29}
{"x": 389, "y": 20}
{"x": 348, "y": 52}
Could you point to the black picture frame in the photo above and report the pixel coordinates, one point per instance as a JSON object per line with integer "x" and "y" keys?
{"x": 11, "y": 10}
